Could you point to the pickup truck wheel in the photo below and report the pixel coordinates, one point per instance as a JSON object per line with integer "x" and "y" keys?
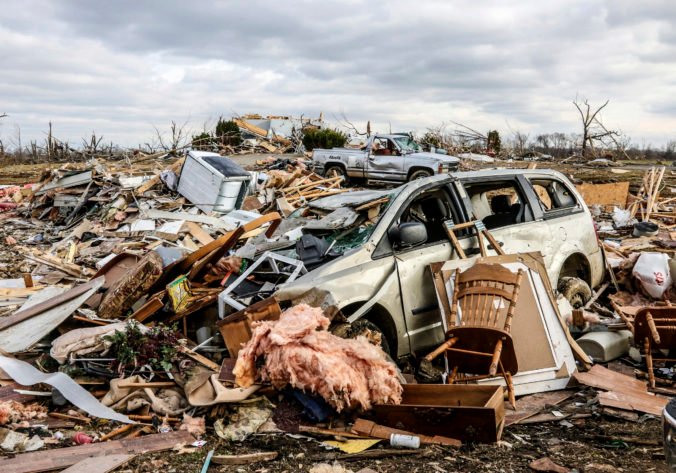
{"x": 419, "y": 174}
{"x": 575, "y": 290}
{"x": 335, "y": 171}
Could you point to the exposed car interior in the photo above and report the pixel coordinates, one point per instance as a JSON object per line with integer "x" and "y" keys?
{"x": 553, "y": 195}
{"x": 499, "y": 204}
{"x": 432, "y": 210}
{"x": 384, "y": 147}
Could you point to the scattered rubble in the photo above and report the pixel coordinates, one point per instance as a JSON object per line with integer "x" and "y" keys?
{"x": 141, "y": 312}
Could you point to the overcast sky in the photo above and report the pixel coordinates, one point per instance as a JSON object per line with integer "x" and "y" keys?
{"x": 122, "y": 67}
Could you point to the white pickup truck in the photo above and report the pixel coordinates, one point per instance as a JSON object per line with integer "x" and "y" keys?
{"x": 384, "y": 159}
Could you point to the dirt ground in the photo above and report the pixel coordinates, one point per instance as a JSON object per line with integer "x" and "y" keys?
{"x": 591, "y": 439}
{"x": 573, "y": 447}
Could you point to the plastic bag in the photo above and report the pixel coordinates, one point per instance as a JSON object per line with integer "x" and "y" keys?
{"x": 622, "y": 218}
{"x": 652, "y": 270}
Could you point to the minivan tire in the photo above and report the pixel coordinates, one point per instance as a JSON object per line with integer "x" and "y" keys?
{"x": 359, "y": 327}
{"x": 575, "y": 290}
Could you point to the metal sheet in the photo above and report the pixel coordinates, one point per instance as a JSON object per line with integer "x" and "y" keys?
{"x": 25, "y": 374}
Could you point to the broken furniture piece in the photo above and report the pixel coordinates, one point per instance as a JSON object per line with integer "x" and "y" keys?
{"x": 480, "y": 232}
{"x": 545, "y": 351}
{"x": 471, "y": 413}
{"x": 654, "y": 330}
{"x": 478, "y": 335}
{"x": 236, "y": 328}
{"x": 276, "y": 263}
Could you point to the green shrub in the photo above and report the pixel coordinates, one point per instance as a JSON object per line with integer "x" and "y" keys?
{"x": 326, "y": 138}
{"x": 228, "y": 132}
{"x": 202, "y": 141}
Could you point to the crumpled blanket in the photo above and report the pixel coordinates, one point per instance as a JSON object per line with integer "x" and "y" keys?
{"x": 85, "y": 340}
{"x": 169, "y": 401}
{"x": 299, "y": 351}
{"x": 202, "y": 388}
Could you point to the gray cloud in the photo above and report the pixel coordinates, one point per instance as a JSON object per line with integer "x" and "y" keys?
{"x": 121, "y": 67}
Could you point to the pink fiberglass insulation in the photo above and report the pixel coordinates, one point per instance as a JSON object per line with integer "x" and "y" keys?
{"x": 299, "y": 351}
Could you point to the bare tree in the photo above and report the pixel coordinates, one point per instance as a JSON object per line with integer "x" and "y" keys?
{"x": 177, "y": 139}
{"x": 467, "y": 136}
{"x": 520, "y": 141}
{"x": 544, "y": 141}
{"x": 347, "y": 124}
{"x": 592, "y": 128}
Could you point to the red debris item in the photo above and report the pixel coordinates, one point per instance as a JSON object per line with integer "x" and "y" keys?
{"x": 299, "y": 351}
{"x": 7, "y": 205}
{"x": 81, "y": 438}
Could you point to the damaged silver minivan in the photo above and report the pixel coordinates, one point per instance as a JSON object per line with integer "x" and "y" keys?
{"x": 385, "y": 279}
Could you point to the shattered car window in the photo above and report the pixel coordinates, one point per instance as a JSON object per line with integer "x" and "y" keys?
{"x": 407, "y": 144}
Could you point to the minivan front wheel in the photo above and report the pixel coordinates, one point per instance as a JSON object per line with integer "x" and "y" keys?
{"x": 575, "y": 290}
{"x": 364, "y": 328}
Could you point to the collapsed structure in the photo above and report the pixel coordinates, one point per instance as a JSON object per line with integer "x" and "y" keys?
{"x": 166, "y": 302}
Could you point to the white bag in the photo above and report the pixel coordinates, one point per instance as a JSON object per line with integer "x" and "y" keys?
{"x": 652, "y": 270}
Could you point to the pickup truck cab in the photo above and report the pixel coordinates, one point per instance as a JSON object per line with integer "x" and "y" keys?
{"x": 385, "y": 159}
{"x": 386, "y": 279}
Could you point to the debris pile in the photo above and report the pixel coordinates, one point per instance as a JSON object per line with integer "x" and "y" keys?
{"x": 180, "y": 308}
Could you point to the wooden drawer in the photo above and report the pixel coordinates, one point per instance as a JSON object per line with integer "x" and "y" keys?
{"x": 469, "y": 412}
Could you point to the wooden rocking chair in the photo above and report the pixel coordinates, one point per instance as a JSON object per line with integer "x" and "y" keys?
{"x": 654, "y": 330}
{"x": 480, "y": 343}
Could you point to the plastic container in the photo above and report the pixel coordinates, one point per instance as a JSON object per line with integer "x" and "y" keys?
{"x": 404, "y": 441}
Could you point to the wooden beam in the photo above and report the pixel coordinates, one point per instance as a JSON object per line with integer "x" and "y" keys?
{"x": 60, "y": 458}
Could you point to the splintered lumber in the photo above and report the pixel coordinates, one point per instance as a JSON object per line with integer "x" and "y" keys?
{"x": 624, "y": 392}
{"x": 60, "y": 458}
{"x": 199, "y": 358}
{"x": 71, "y": 269}
{"x": 244, "y": 459}
{"x": 99, "y": 464}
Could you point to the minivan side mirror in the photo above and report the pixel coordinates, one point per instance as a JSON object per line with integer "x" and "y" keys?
{"x": 407, "y": 235}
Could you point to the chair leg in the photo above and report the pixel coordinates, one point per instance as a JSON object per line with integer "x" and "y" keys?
{"x": 496, "y": 358}
{"x": 649, "y": 361}
{"x": 510, "y": 386}
{"x": 510, "y": 390}
{"x": 454, "y": 373}
{"x": 441, "y": 348}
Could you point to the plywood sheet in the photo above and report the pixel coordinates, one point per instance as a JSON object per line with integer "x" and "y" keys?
{"x": 606, "y": 195}
{"x": 99, "y": 464}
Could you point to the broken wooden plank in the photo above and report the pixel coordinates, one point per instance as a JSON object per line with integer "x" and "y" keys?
{"x": 603, "y": 378}
{"x": 634, "y": 401}
{"x": 199, "y": 358}
{"x": 533, "y": 404}
{"x": 199, "y": 233}
{"x": 243, "y": 459}
{"x": 47, "y": 460}
{"x": 99, "y": 464}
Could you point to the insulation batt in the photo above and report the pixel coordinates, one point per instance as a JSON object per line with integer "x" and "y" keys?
{"x": 298, "y": 351}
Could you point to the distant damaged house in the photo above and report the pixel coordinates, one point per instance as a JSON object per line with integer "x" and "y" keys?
{"x": 275, "y": 133}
